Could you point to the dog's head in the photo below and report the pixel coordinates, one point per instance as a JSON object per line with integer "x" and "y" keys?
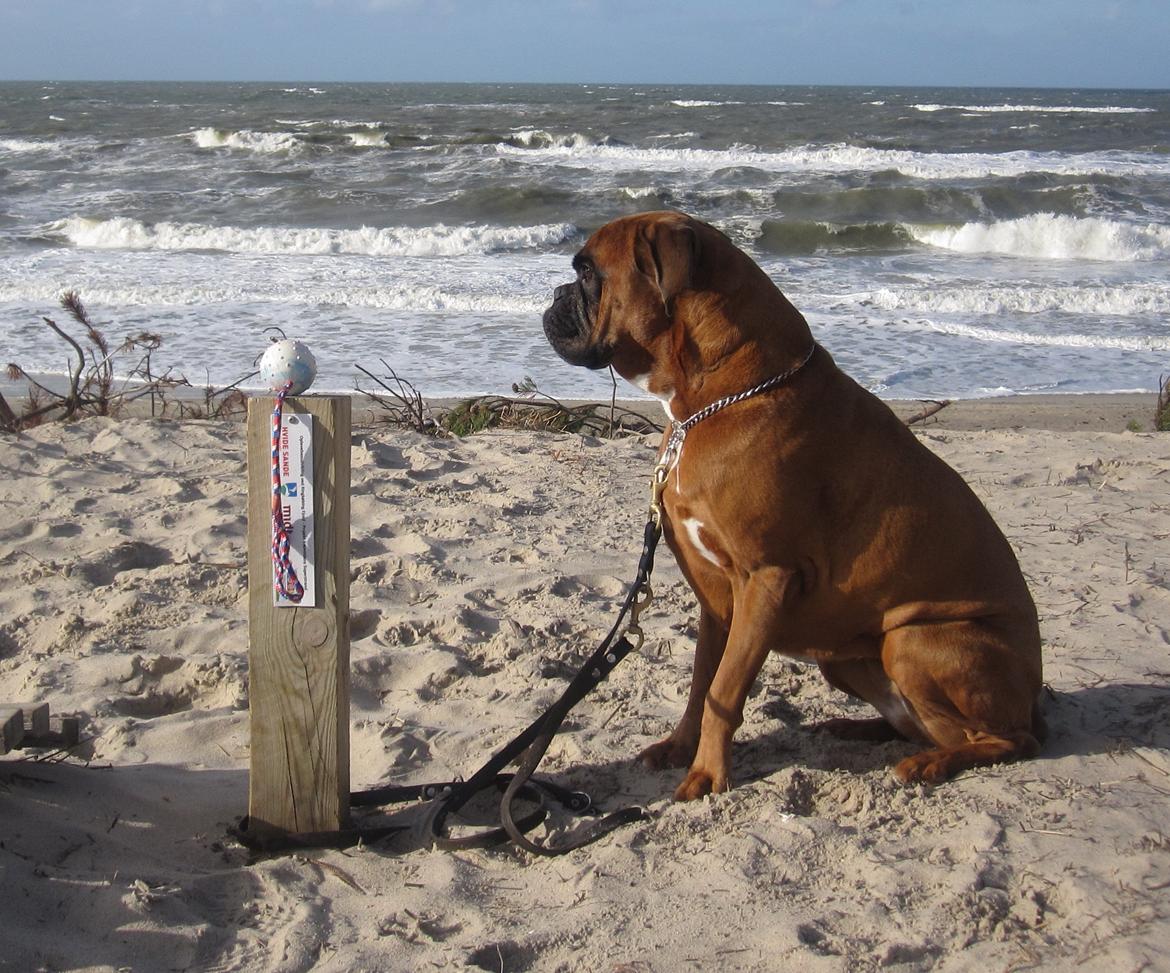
{"x": 631, "y": 275}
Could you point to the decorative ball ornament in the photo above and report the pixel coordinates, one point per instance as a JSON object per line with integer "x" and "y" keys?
{"x": 288, "y": 361}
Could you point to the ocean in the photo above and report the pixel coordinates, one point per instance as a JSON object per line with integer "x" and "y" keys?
{"x": 940, "y": 242}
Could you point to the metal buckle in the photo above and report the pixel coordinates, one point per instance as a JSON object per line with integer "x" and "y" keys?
{"x": 634, "y": 629}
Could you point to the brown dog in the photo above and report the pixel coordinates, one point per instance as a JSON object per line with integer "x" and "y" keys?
{"x": 806, "y": 516}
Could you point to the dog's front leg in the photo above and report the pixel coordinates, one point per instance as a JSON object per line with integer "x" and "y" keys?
{"x": 678, "y": 749}
{"x": 756, "y": 628}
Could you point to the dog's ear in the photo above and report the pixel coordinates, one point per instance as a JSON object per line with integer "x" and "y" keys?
{"x": 667, "y": 252}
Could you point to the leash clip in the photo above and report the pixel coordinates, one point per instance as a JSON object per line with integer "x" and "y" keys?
{"x": 634, "y": 629}
{"x": 666, "y": 463}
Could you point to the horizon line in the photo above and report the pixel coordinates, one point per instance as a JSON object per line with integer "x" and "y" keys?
{"x": 1005, "y": 86}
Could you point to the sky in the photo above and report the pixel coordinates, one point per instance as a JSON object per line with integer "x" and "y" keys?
{"x": 1029, "y": 43}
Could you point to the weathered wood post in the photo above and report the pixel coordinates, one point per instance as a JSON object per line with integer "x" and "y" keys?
{"x": 298, "y": 658}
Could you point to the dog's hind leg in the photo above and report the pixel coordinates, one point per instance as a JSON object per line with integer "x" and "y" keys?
{"x": 981, "y": 749}
{"x": 973, "y": 686}
{"x": 866, "y": 679}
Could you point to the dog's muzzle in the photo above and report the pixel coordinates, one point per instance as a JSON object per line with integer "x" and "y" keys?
{"x": 568, "y": 327}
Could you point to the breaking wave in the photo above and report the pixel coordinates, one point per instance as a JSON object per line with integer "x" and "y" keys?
{"x": 533, "y": 138}
{"x": 838, "y": 158}
{"x": 796, "y": 237}
{"x": 1047, "y": 109}
{"x": 440, "y": 240}
{"x": 1043, "y": 236}
{"x": 24, "y": 145}
{"x": 263, "y": 142}
{"x": 1051, "y": 237}
{"x": 367, "y": 139}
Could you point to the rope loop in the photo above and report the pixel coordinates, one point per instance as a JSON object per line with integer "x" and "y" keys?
{"x": 285, "y": 581}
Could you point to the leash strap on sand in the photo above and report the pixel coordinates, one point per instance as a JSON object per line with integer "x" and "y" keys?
{"x": 285, "y": 580}
{"x": 531, "y": 745}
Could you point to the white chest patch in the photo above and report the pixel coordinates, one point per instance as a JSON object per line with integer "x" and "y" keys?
{"x": 693, "y": 526}
{"x": 643, "y": 382}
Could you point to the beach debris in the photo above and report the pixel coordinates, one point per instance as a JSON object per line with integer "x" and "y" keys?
{"x": 93, "y": 389}
{"x": 405, "y": 405}
{"x": 931, "y": 408}
{"x": 526, "y": 408}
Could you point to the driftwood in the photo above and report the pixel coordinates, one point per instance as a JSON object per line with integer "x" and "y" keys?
{"x": 405, "y": 405}
{"x": 529, "y": 408}
{"x": 928, "y": 411}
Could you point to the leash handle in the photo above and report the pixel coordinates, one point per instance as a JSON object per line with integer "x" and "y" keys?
{"x": 535, "y": 753}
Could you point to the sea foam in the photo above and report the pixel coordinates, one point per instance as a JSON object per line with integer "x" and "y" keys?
{"x": 263, "y": 142}
{"x": 1052, "y": 237}
{"x": 418, "y": 298}
{"x": 838, "y": 158}
{"x": 1047, "y": 109}
{"x": 1092, "y": 301}
{"x": 122, "y": 233}
{"x": 1012, "y": 337}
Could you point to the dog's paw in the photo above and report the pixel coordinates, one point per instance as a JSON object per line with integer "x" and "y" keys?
{"x": 927, "y": 767}
{"x": 700, "y": 783}
{"x": 667, "y": 753}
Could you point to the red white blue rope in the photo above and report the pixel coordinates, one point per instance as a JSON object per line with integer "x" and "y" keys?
{"x": 285, "y": 580}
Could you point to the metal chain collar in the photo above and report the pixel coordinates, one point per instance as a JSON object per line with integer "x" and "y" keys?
{"x": 679, "y": 429}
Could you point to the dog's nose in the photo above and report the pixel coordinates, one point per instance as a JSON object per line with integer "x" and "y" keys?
{"x": 562, "y": 292}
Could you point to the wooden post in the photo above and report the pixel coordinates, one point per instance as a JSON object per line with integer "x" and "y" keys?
{"x": 298, "y": 659}
{"x": 11, "y": 727}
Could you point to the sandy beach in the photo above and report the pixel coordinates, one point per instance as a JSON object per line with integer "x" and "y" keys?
{"x": 483, "y": 570}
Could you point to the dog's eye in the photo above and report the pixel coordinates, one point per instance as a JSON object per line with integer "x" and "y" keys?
{"x": 586, "y": 273}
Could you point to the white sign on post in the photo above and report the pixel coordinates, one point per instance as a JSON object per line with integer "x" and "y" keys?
{"x": 295, "y": 458}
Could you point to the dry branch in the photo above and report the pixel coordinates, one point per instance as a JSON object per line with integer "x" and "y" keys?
{"x": 932, "y": 408}
{"x": 91, "y": 386}
{"x": 530, "y": 408}
{"x": 406, "y": 406}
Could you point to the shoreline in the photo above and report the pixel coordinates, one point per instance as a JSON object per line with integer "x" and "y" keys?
{"x": 1067, "y": 412}
{"x": 1055, "y": 412}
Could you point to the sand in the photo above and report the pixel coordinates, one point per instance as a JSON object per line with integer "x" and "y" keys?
{"x": 483, "y": 569}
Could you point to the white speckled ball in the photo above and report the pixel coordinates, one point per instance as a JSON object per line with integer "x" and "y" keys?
{"x": 288, "y": 361}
